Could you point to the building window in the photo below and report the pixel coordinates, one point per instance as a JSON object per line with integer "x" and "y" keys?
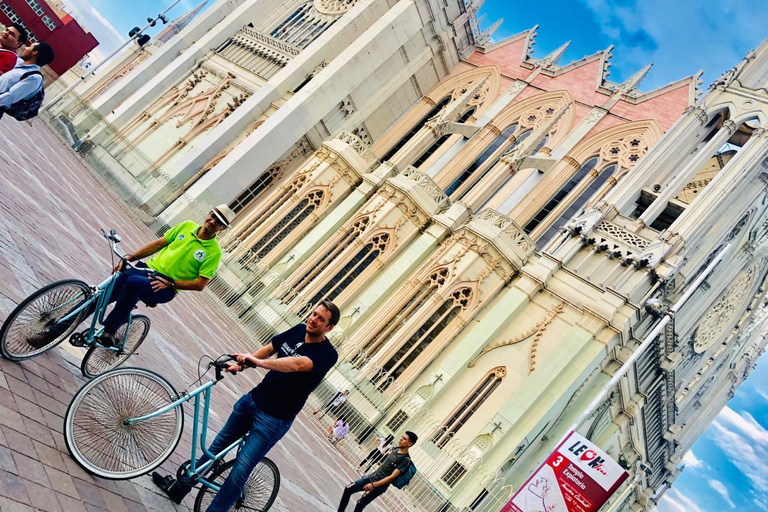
{"x": 500, "y": 140}
{"x": 469, "y": 407}
{"x": 288, "y": 223}
{"x": 8, "y": 11}
{"x": 561, "y": 194}
{"x": 408, "y": 136}
{"x": 352, "y": 270}
{"x": 397, "y": 421}
{"x": 419, "y": 340}
{"x": 35, "y": 5}
{"x": 49, "y": 22}
{"x": 439, "y": 142}
{"x": 454, "y": 474}
{"x": 256, "y": 188}
{"x": 577, "y": 204}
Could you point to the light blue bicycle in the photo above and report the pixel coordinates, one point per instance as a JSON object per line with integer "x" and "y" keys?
{"x": 45, "y": 319}
{"x": 127, "y": 422}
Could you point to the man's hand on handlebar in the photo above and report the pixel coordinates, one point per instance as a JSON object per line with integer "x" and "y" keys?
{"x": 119, "y": 267}
{"x": 243, "y": 361}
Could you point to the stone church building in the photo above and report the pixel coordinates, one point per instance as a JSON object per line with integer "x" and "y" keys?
{"x": 491, "y": 223}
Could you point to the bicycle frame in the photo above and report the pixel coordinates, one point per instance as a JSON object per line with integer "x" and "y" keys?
{"x": 101, "y": 295}
{"x": 196, "y": 472}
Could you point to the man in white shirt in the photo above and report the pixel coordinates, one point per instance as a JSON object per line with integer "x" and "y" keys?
{"x": 12, "y": 88}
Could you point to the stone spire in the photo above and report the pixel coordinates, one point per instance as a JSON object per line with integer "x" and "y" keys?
{"x": 177, "y": 25}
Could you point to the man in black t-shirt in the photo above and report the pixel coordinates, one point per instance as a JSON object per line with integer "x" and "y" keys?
{"x": 376, "y": 484}
{"x": 304, "y": 356}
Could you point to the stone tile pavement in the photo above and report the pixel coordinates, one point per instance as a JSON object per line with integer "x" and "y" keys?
{"x": 51, "y": 210}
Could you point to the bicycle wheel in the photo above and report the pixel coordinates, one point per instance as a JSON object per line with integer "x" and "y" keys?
{"x": 99, "y": 360}
{"x": 260, "y": 489}
{"x": 102, "y": 444}
{"x": 26, "y": 332}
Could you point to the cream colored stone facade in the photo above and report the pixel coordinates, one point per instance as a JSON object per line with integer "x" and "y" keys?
{"x": 491, "y": 224}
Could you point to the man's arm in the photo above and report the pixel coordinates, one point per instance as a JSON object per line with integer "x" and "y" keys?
{"x": 148, "y": 250}
{"x": 196, "y": 285}
{"x": 384, "y": 481}
{"x": 264, "y": 352}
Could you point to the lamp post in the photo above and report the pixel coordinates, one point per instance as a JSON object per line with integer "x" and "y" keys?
{"x": 134, "y": 35}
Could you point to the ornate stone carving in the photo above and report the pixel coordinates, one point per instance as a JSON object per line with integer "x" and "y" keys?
{"x": 360, "y": 147}
{"x": 429, "y": 186}
{"x": 619, "y": 233}
{"x": 723, "y": 314}
{"x": 509, "y": 227}
{"x": 537, "y": 331}
{"x": 334, "y": 7}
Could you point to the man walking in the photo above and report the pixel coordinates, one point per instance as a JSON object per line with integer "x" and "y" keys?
{"x": 11, "y": 40}
{"x": 266, "y": 413}
{"x": 187, "y": 257}
{"x": 25, "y": 80}
{"x": 396, "y": 463}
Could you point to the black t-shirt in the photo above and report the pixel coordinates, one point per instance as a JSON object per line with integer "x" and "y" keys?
{"x": 282, "y": 395}
{"x": 395, "y": 460}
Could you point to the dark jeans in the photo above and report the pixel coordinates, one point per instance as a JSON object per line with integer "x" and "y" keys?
{"x": 365, "y": 499}
{"x": 132, "y": 286}
{"x": 263, "y": 432}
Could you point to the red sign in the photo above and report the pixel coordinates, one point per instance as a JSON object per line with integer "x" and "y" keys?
{"x": 577, "y": 477}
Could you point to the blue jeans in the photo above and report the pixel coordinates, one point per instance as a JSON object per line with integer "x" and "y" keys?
{"x": 263, "y": 430}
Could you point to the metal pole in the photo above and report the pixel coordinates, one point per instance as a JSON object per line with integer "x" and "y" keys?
{"x": 93, "y": 70}
{"x": 646, "y": 342}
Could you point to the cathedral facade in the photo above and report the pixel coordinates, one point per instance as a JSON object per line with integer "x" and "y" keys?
{"x": 491, "y": 224}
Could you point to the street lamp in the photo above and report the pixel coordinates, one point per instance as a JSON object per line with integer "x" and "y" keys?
{"x": 135, "y": 33}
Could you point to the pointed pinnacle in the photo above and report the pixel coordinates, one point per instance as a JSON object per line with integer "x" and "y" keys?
{"x": 634, "y": 81}
{"x": 552, "y": 58}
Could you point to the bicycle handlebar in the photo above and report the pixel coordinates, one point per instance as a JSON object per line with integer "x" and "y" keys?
{"x": 221, "y": 364}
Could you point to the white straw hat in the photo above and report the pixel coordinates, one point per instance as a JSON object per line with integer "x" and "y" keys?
{"x": 224, "y": 213}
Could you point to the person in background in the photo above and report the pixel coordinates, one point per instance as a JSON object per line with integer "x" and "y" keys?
{"x": 334, "y": 404}
{"x": 383, "y": 447}
{"x": 25, "y": 80}
{"x": 338, "y": 432}
{"x": 11, "y": 39}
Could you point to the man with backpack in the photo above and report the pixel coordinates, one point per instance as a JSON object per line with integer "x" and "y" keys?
{"x": 11, "y": 39}
{"x": 21, "y": 89}
{"x": 397, "y": 469}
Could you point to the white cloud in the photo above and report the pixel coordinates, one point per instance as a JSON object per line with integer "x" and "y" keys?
{"x": 718, "y": 486}
{"x": 691, "y": 461}
{"x": 674, "y": 501}
{"x": 745, "y": 443}
{"x": 688, "y": 36}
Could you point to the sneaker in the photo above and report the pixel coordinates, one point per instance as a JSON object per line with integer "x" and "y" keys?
{"x": 108, "y": 339}
{"x": 41, "y": 339}
{"x": 170, "y": 487}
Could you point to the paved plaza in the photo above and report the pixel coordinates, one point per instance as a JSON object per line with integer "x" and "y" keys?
{"x": 51, "y": 210}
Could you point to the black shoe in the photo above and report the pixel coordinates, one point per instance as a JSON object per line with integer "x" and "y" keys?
{"x": 170, "y": 487}
{"x": 41, "y": 339}
{"x": 108, "y": 339}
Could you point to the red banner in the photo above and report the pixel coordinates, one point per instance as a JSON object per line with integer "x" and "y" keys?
{"x": 577, "y": 477}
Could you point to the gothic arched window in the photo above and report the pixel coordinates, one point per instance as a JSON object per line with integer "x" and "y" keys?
{"x": 469, "y": 406}
{"x": 422, "y": 337}
{"x": 577, "y": 204}
{"x": 352, "y": 270}
{"x": 288, "y": 223}
{"x": 495, "y": 145}
{"x": 561, "y": 194}
{"x": 418, "y": 126}
{"x": 439, "y": 142}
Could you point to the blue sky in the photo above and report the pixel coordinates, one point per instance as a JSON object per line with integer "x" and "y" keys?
{"x": 728, "y": 468}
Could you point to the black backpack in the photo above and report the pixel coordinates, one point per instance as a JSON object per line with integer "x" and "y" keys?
{"x": 27, "y": 108}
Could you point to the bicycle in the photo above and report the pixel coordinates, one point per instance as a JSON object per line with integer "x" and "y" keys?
{"x": 128, "y": 421}
{"x": 53, "y": 312}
